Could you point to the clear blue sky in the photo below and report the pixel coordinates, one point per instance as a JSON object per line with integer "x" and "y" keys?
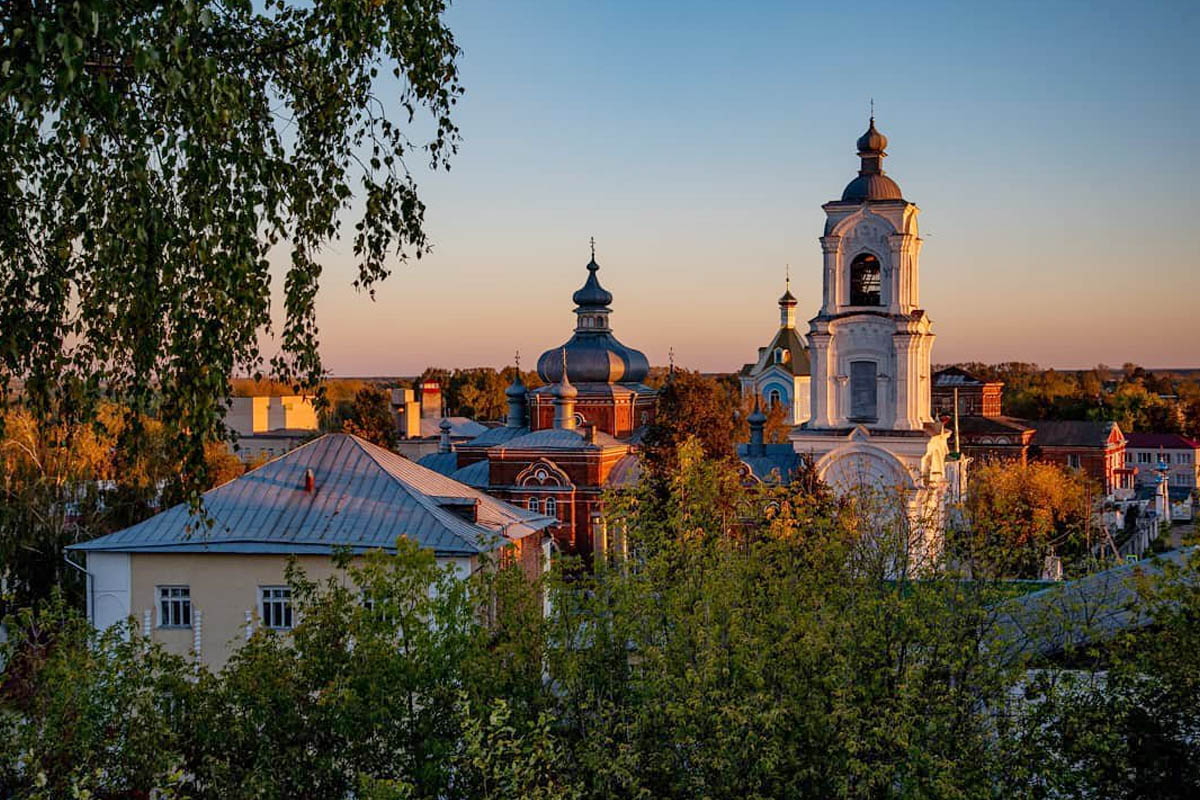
{"x": 1052, "y": 148}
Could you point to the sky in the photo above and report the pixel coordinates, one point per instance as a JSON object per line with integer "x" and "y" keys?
{"x": 1052, "y": 147}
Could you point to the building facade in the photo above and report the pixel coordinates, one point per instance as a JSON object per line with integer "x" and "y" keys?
{"x": 565, "y": 443}
{"x": 1179, "y": 454}
{"x": 871, "y": 423}
{"x": 199, "y": 591}
{"x": 782, "y": 375}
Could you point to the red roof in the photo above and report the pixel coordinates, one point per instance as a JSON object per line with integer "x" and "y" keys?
{"x": 1167, "y": 441}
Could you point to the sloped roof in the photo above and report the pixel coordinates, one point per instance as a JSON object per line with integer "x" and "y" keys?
{"x": 789, "y": 339}
{"x": 952, "y": 377}
{"x": 460, "y": 427}
{"x": 494, "y": 436}
{"x": 976, "y": 425}
{"x": 626, "y": 472}
{"x": 560, "y": 439}
{"x": 1167, "y": 441}
{"x": 365, "y": 497}
{"x": 1072, "y": 433}
{"x": 441, "y": 463}
{"x": 776, "y": 465}
{"x": 477, "y": 474}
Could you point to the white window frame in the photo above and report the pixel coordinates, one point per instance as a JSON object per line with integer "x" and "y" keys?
{"x": 176, "y": 601}
{"x": 275, "y": 608}
{"x": 551, "y": 507}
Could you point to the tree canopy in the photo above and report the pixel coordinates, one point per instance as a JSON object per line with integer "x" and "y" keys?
{"x": 154, "y": 154}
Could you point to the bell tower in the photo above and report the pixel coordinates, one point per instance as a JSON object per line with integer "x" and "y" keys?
{"x": 870, "y": 342}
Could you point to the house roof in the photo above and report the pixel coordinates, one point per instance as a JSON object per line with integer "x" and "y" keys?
{"x": 1167, "y": 441}
{"x": 460, "y": 427}
{"x": 494, "y": 436}
{"x": 955, "y": 377}
{"x": 626, "y": 472}
{"x": 365, "y": 497}
{"x": 1072, "y": 433}
{"x": 974, "y": 425}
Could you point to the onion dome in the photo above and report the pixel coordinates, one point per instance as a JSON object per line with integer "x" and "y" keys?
{"x": 592, "y": 295}
{"x": 788, "y": 299}
{"x": 593, "y": 354}
{"x": 757, "y": 417}
{"x": 516, "y": 388}
{"x": 872, "y": 183}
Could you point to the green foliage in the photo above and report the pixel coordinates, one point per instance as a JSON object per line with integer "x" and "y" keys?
{"x": 690, "y": 406}
{"x": 152, "y": 155}
{"x": 477, "y": 392}
{"x": 369, "y": 416}
{"x": 759, "y": 642}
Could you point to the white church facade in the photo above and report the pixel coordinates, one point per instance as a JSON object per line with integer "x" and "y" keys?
{"x": 782, "y": 373}
{"x": 869, "y": 345}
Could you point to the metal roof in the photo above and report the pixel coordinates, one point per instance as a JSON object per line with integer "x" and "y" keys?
{"x": 477, "y": 474}
{"x": 776, "y": 465}
{"x": 1167, "y": 441}
{"x": 626, "y": 472}
{"x": 493, "y": 436}
{"x": 441, "y": 463}
{"x": 1072, "y": 433}
{"x": 365, "y": 497}
{"x": 788, "y": 339}
{"x": 560, "y": 439}
{"x": 460, "y": 427}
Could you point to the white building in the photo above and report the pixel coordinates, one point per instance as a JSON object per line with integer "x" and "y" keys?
{"x": 782, "y": 374}
{"x": 870, "y": 343}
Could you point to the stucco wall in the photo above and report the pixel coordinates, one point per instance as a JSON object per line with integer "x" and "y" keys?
{"x": 223, "y": 588}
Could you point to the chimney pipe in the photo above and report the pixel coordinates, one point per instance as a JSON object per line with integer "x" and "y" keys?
{"x": 310, "y": 481}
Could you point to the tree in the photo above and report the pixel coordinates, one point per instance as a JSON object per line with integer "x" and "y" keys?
{"x": 153, "y": 155}
{"x": 370, "y": 417}
{"x": 1017, "y": 514}
{"x": 689, "y": 406}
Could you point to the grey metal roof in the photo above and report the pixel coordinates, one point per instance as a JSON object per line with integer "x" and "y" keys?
{"x": 560, "y": 439}
{"x": 626, "y": 472}
{"x": 364, "y": 498}
{"x": 951, "y": 377}
{"x": 1072, "y": 433}
{"x": 776, "y": 465}
{"x": 477, "y": 474}
{"x": 460, "y": 427}
{"x": 441, "y": 463}
{"x": 494, "y": 436}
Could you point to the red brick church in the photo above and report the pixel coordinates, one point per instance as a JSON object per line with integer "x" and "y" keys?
{"x": 563, "y": 444}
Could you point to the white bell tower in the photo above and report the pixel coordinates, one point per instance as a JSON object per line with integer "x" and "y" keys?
{"x": 870, "y": 345}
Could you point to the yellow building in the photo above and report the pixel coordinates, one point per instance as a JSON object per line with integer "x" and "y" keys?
{"x": 202, "y": 590}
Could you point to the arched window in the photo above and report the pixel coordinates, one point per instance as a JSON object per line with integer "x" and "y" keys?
{"x": 864, "y": 280}
{"x": 532, "y": 504}
{"x": 587, "y": 322}
{"x": 774, "y": 399}
{"x": 781, "y": 355}
{"x": 551, "y": 507}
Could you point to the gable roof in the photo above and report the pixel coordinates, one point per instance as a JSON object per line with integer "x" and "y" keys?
{"x": 365, "y": 497}
{"x": 1167, "y": 441}
{"x": 1072, "y": 433}
{"x": 789, "y": 339}
{"x": 952, "y": 377}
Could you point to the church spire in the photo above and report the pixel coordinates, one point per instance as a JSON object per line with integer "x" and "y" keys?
{"x": 787, "y": 304}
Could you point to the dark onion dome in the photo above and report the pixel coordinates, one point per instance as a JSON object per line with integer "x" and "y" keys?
{"x": 757, "y": 417}
{"x": 516, "y": 388}
{"x": 787, "y": 299}
{"x": 872, "y": 183}
{"x": 593, "y": 354}
{"x": 592, "y": 294}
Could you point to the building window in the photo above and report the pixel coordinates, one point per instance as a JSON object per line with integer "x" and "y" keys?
{"x": 551, "y": 507}
{"x": 1128, "y": 457}
{"x": 174, "y": 607}
{"x": 532, "y": 504}
{"x": 1073, "y": 460}
{"x": 1183, "y": 458}
{"x": 864, "y": 281}
{"x": 862, "y": 391}
{"x": 1143, "y": 458}
{"x": 276, "y": 607}
{"x": 774, "y": 399}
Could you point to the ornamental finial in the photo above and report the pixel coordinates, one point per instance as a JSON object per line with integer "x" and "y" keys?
{"x": 592, "y": 242}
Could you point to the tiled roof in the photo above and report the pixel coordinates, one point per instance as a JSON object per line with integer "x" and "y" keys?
{"x": 364, "y": 498}
{"x": 1071, "y": 433}
{"x": 1167, "y": 441}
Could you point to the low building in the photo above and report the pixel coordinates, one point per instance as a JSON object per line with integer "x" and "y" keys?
{"x": 199, "y": 590}
{"x": 976, "y": 397}
{"x": 266, "y": 427}
{"x": 1177, "y": 453}
{"x": 1096, "y": 447}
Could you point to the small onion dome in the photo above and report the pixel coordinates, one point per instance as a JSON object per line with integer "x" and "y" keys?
{"x": 515, "y": 389}
{"x": 592, "y": 294}
{"x": 565, "y": 390}
{"x": 445, "y": 425}
{"x": 872, "y": 141}
{"x": 787, "y": 299}
{"x": 757, "y": 417}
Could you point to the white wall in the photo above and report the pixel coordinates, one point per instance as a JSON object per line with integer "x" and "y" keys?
{"x": 111, "y": 583}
